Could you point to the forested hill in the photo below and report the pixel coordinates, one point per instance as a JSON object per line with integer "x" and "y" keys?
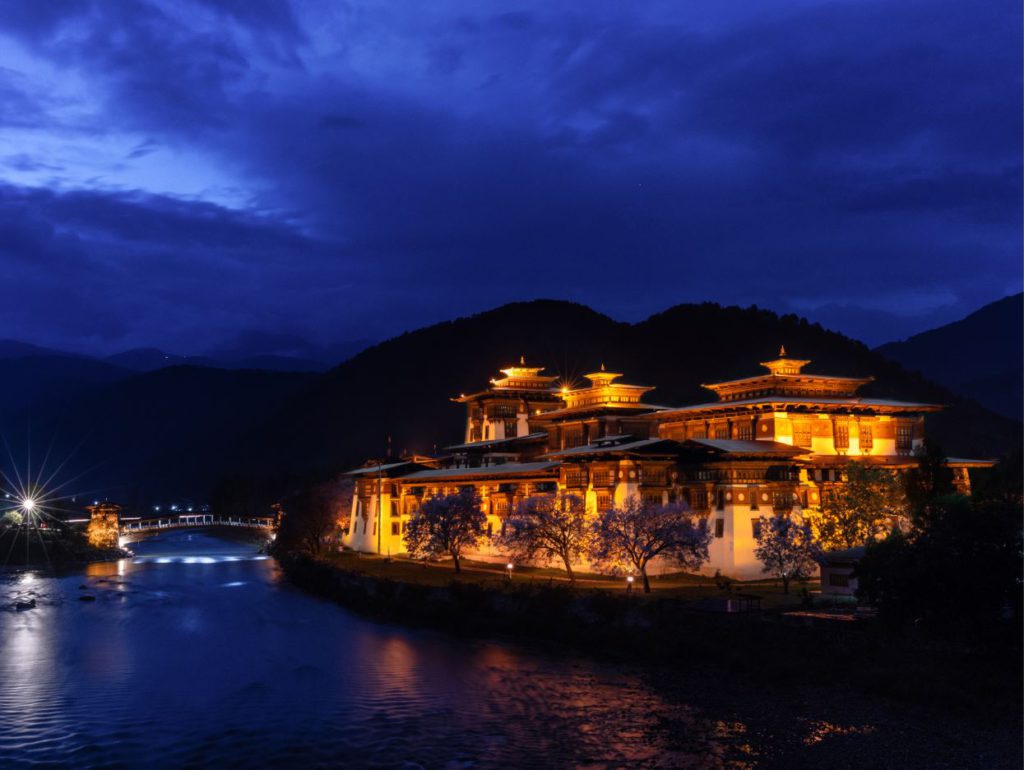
{"x": 175, "y": 432}
{"x": 402, "y": 387}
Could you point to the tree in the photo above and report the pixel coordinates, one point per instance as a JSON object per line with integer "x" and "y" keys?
{"x": 634, "y": 534}
{"x": 786, "y": 548}
{"x": 446, "y": 525}
{"x": 867, "y": 506}
{"x": 312, "y": 517}
{"x": 548, "y": 526}
{"x": 931, "y": 479}
{"x": 958, "y": 570}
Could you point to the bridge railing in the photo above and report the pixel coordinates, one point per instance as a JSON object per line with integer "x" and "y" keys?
{"x": 197, "y": 520}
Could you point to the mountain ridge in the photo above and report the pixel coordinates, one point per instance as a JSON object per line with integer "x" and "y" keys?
{"x": 978, "y": 356}
{"x": 176, "y": 431}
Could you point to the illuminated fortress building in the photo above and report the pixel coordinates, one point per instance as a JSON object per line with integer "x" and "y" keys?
{"x": 770, "y": 443}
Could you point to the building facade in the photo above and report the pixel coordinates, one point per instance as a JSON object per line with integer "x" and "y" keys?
{"x": 770, "y": 443}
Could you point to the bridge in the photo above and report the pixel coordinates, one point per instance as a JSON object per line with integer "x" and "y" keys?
{"x": 131, "y": 525}
{"x": 108, "y": 528}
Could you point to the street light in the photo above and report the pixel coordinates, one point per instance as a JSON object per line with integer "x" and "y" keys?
{"x": 509, "y": 573}
{"x": 629, "y": 584}
{"x": 28, "y": 505}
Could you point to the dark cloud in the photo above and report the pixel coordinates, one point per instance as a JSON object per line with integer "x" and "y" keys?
{"x": 858, "y": 160}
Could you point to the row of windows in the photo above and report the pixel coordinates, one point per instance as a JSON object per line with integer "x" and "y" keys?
{"x": 598, "y": 400}
{"x": 572, "y": 438}
{"x": 802, "y": 434}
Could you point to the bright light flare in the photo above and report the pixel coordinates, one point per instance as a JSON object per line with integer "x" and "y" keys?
{"x": 28, "y": 505}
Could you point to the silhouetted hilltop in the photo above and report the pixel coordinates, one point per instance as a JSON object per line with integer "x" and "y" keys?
{"x": 175, "y": 431}
{"x": 165, "y": 434}
{"x": 979, "y": 356}
{"x": 402, "y": 387}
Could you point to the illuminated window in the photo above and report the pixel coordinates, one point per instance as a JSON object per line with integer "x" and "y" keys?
{"x": 700, "y": 500}
{"x": 604, "y": 503}
{"x": 745, "y": 432}
{"x": 575, "y": 478}
{"x": 802, "y": 434}
{"x": 601, "y": 478}
{"x": 722, "y": 431}
{"x": 698, "y": 432}
{"x": 652, "y": 498}
{"x": 572, "y": 437}
{"x": 511, "y": 428}
{"x": 904, "y": 437}
{"x": 655, "y": 476}
{"x": 842, "y": 435}
{"x": 867, "y": 438}
{"x": 396, "y": 528}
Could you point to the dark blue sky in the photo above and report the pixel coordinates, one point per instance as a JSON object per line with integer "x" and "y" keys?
{"x": 242, "y": 173}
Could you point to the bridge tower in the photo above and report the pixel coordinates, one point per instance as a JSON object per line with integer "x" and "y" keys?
{"x": 104, "y": 524}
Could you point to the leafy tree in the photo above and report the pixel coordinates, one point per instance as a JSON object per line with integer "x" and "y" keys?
{"x": 959, "y": 569}
{"x": 446, "y": 525}
{"x": 931, "y": 479}
{"x": 551, "y": 527}
{"x": 868, "y": 505}
{"x": 312, "y": 518}
{"x": 634, "y": 534}
{"x": 786, "y": 548}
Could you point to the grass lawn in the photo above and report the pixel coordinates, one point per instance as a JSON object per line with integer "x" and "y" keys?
{"x": 677, "y": 585}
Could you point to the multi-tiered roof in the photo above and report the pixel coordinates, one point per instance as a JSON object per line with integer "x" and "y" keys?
{"x": 787, "y": 386}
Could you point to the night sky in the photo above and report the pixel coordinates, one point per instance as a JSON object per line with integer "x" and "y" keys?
{"x": 265, "y": 177}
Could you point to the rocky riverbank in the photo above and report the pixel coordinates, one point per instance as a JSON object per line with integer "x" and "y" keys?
{"x": 46, "y": 549}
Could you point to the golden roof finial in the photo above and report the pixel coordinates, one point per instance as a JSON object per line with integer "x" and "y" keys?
{"x": 782, "y": 351}
{"x": 602, "y": 367}
{"x": 522, "y": 360}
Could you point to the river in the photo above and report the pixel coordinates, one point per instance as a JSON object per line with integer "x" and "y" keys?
{"x": 198, "y": 653}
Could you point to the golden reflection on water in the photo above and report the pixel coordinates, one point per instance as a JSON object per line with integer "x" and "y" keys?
{"x": 106, "y": 569}
{"x": 819, "y": 731}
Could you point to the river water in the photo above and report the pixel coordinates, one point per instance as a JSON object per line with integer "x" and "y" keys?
{"x": 198, "y": 653}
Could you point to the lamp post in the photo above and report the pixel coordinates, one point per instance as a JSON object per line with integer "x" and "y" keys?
{"x": 508, "y": 572}
{"x": 629, "y": 584}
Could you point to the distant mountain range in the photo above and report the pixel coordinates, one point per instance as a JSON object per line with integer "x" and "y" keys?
{"x": 139, "y": 432}
{"x": 980, "y": 356}
{"x": 151, "y": 359}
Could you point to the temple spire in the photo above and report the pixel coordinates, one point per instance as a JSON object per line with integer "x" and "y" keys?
{"x": 782, "y": 351}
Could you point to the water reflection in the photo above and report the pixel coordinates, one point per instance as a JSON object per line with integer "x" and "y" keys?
{"x": 196, "y": 653}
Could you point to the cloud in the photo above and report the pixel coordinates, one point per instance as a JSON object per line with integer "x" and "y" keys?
{"x": 394, "y": 167}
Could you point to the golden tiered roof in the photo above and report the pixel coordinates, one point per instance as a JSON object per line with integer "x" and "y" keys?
{"x": 785, "y": 377}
